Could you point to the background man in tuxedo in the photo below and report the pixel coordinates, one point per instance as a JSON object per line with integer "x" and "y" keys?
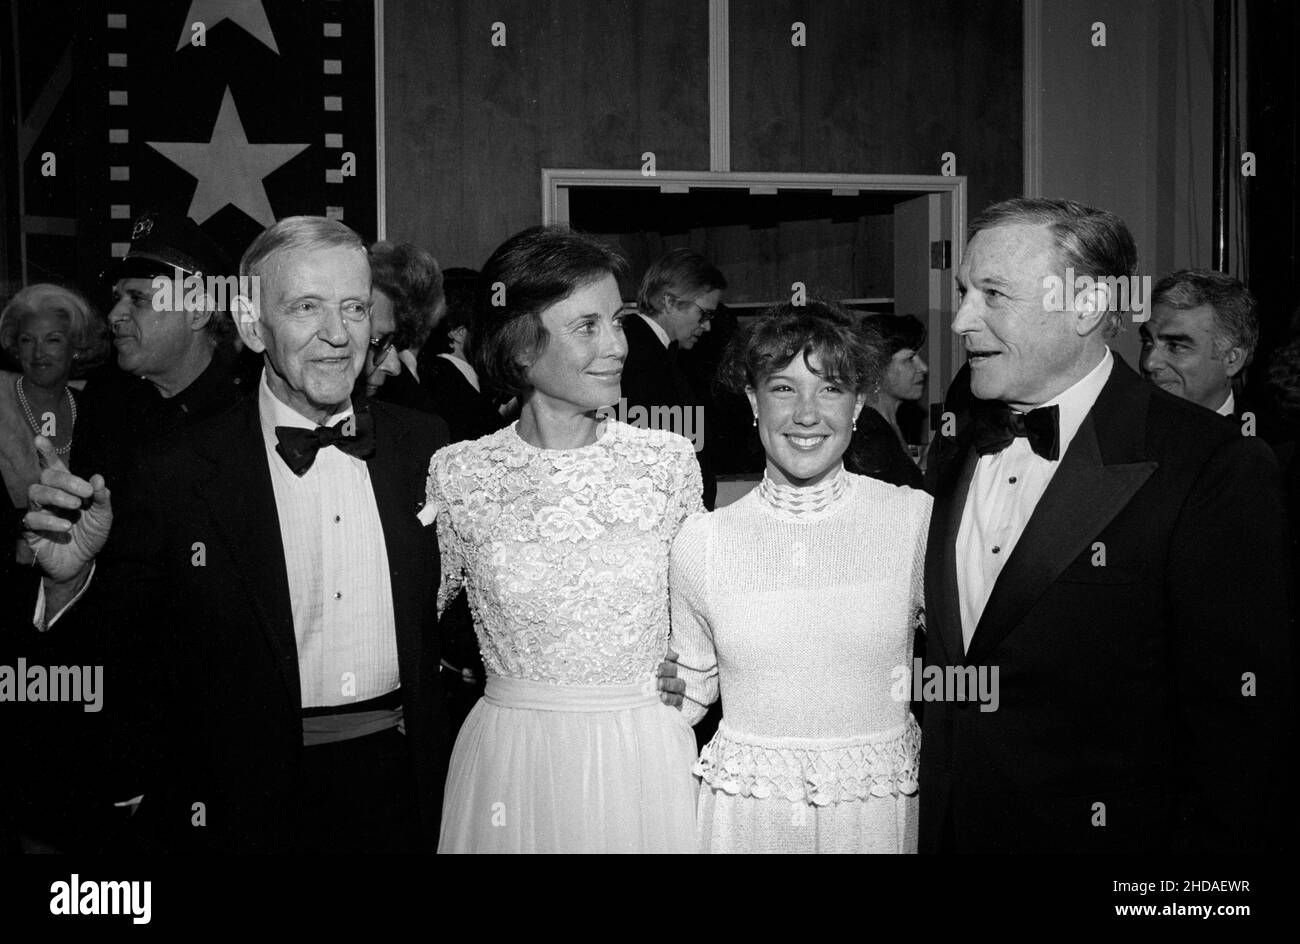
{"x": 271, "y": 598}
{"x": 679, "y": 295}
{"x": 1115, "y": 552}
{"x": 1200, "y": 338}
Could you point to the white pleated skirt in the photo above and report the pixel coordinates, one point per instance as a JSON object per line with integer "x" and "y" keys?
{"x": 563, "y": 768}
{"x": 738, "y": 824}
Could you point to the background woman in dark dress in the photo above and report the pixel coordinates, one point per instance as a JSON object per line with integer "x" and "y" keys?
{"x": 878, "y": 448}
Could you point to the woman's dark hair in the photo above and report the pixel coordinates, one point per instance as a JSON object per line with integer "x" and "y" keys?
{"x": 785, "y": 331}
{"x": 528, "y": 273}
{"x": 894, "y": 333}
{"x": 411, "y": 278}
{"x": 459, "y": 286}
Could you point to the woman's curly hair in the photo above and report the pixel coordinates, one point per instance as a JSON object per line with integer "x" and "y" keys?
{"x": 785, "y": 331}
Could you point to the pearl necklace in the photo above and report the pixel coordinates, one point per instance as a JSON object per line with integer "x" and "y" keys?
{"x": 31, "y": 419}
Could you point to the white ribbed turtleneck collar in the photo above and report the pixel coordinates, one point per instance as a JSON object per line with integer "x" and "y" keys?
{"x": 802, "y": 502}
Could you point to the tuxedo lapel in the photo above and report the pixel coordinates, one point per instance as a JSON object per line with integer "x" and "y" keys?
{"x": 240, "y": 502}
{"x": 1099, "y": 474}
{"x": 395, "y": 476}
{"x": 943, "y": 609}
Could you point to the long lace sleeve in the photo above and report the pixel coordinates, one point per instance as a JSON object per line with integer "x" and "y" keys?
{"x": 437, "y": 507}
{"x": 692, "y": 637}
{"x": 690, "y": 494}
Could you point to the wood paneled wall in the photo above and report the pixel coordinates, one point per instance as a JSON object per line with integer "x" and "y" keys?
{"x": 881, "y": 88}
{"x": 578, "y": 84}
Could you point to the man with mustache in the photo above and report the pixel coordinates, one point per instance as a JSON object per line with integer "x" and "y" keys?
{"x": 1115, "y": 554}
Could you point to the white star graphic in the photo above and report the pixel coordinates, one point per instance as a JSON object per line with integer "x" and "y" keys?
{"x": 246, "y": 13}
{"x": 228, "y": 168}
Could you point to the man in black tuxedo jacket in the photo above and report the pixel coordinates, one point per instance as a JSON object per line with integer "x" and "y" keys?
{"x": 1108, "y": 558}
{"x": 678, "y": 296}
{"x": 652, "y": 375}
{"x": 268, "y": 605}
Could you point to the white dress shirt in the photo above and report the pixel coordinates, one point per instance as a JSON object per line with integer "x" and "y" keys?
{"x": 657, "y": 328}
{"x": 466, "y": 368}
{"x": 1003, "y": 493}
{"x": 337, "y": 564}
{"x": 1228, "y": 406}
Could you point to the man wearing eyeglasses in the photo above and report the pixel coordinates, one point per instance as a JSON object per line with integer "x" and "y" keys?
{"x": 272, "y": 611}
{"x": 679, "y": 295}
{"x": 381, "y": 357}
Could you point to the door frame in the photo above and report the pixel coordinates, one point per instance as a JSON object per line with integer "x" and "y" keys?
{"x": 944, "y": 360}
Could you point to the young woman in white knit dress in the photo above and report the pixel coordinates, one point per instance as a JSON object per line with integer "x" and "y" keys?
{"x": 799, "y": 603}
{"x": 559, "y": 527}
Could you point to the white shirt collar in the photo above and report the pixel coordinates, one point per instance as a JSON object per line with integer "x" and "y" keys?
{"x": 1075, "y": 402}
{"x": 660, "y": 333}
{"x": 466, "y": 368}
{"x": 1229, "y": 406}
{"x": 273, "y": 413}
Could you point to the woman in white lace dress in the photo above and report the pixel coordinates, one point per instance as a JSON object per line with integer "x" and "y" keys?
{"x": 559, "y": 527}
{"x": 800, "y": 601}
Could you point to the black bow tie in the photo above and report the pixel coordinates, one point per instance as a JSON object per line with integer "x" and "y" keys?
{"x": 997, "y": 426}
{"x": 354, "y": 434}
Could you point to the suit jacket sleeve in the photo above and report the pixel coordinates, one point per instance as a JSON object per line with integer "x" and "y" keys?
{"x": 115, "y": 624}
{"x": 1229, "y": 597}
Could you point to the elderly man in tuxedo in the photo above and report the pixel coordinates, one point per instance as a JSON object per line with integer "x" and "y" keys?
{"x": 269, "y": 600}
{"x": 1110, "y": 558}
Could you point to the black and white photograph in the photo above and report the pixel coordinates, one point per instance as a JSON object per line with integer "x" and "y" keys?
{"x": 649, "y": 427}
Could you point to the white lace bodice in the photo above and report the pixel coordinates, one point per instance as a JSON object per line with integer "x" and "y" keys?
{"x": 804, "y": 612}
{"x": 564, "y": 553}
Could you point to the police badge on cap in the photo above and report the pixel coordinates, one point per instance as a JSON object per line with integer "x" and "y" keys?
{"x": 164, "y": 243}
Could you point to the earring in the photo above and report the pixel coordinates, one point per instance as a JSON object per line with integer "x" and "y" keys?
{"x": 755, "y": 421}
{"x": 855, "y": 424}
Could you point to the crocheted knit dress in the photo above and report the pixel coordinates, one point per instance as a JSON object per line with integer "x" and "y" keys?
{"x": 800, "y": 604}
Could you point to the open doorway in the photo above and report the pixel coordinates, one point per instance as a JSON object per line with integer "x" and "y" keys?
{"x": 875, "y": 243}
